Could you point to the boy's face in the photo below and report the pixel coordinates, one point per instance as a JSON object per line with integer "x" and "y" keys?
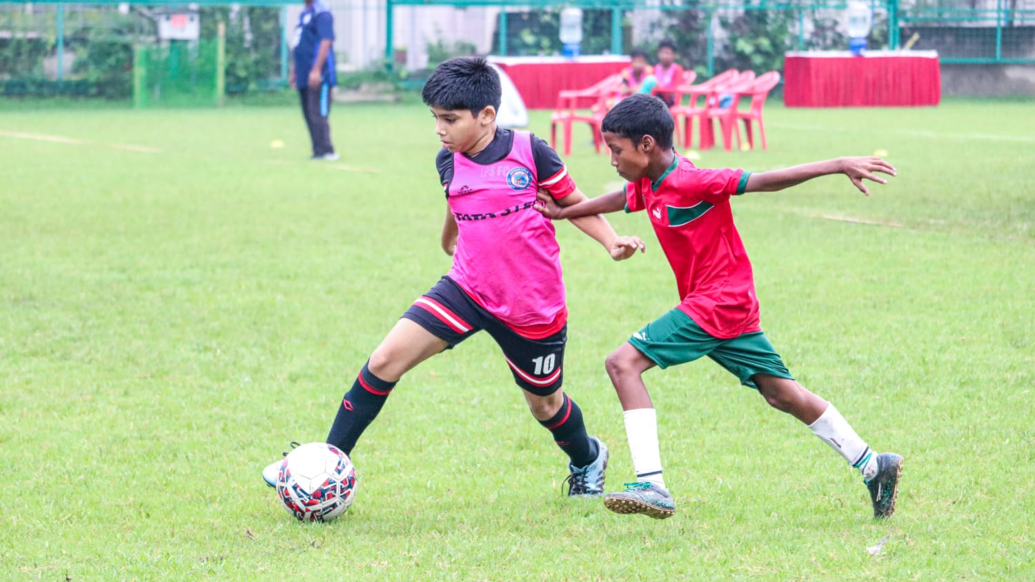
{"x": 459, "y": 130}
{"x": 666, "y": 56}
{"x": 638, "y": 64}
{"x": 628, "y": 157}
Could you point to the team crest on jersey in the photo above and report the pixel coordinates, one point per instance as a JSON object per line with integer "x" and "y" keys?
{"x": 519, "y": 178}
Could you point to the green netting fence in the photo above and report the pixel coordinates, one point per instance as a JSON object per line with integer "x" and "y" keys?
{"x": 109, "y": 50}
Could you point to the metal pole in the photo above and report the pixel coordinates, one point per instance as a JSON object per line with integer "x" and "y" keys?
{"x": 503, "y": 32}
{"x": 220, "y": 64}
{"x": 284, "y": 44}
{"x": 711, "y": 47}
{"x": 801, "y": 29}
{"x": 389, "y": 43}
{"x": 893, "y": 24}
{"x": 616, "y": 31}
{"x": 140, "y": 77}
{"x": 60, "y": 43}
{"x": 999, "y": 30}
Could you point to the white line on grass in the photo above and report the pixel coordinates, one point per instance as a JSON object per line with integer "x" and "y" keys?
{"x": 912, "y": 133}
{"x": 919, "y": 228}
{"x": 72, "y": 141}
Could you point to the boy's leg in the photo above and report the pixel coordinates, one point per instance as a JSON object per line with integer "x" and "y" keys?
{"x": 406, "y": 346}
{"x": 670, "y": 340}
{"x": 538, "y": 368}
{"x": 648, "y": 494}
{"x": 880, "y": 471}
{"x": 437, "y": 320}
{"x": 752, "y": 358}
{"x": 625, "y": 368}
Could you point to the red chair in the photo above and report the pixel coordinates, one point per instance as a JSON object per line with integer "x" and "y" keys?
{"x": 677, "y": 92}
{"x": 567, "y": 113}
{"x": 691, "y": 109}
{"x": 763, "y": 85}
{"x": 676, "y": 95}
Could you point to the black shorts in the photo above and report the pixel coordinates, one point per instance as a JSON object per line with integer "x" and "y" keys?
{"x": 449, "y": 313}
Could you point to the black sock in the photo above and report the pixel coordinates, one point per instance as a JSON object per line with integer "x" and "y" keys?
{"x": 358, "y": 409}
{"x": 569, "y": 431}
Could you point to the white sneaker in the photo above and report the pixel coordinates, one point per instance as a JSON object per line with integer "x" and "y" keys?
{"x": 331, "y": 157}
{"x": 272, "y": 472}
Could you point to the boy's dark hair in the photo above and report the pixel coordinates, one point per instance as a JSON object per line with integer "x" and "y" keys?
{"x": 639, "y": 115}
{"x": 637, "y": 53}
{"x": 463, "y": 83}
{"x": 667, "y": 43}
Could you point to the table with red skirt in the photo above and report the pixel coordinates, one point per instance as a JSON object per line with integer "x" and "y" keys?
{"x": 540, "y": 79}
{"x": 874, "y": 79}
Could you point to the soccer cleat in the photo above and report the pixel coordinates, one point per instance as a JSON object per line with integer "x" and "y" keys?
{"x": 646, "y": 498}
{"x": 589, "y": 480}
{"x": 328, "y": 157}
{"x": 884, "y": 485}
{"x": 272, "y": 471}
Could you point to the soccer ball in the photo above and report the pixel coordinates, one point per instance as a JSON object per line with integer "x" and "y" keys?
{"x": 317, "y": 482}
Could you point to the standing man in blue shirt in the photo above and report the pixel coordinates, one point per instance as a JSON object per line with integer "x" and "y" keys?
{"x": 312, "y": 72}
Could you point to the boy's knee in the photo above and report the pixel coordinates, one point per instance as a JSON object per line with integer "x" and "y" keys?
{"x": 779, "y": 393}
{"x": 545, "y": 407}
{"x": 382, "y": 363}
{"x": 618, "y": 365}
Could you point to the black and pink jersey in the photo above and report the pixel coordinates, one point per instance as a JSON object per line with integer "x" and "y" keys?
{"x": 507, "y": 257}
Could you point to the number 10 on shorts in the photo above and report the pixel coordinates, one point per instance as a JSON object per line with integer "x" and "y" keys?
{"x": 544, "y": 364}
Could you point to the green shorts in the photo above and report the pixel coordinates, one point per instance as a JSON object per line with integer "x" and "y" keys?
{"x": 674, "y": 339}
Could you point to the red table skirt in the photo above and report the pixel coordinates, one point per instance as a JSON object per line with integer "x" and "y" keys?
{"x": 877, "y": 79}
{"x": 540, "y": 79}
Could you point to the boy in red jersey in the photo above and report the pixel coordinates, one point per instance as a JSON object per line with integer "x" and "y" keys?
{"x": 718, "y": 316}
{"x": 506, "y": 274}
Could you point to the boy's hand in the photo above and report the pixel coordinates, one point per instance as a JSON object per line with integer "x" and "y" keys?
{"x": 626, "y": 246}
{"x": 547, "y": 206}
{"x": 858, "y": 168}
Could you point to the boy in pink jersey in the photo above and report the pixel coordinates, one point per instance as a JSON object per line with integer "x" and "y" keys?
{"x": 506, "y": 274}
{"x": 718, "y": 317}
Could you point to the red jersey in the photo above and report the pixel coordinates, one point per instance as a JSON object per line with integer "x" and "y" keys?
{"x": 689, "y": 208}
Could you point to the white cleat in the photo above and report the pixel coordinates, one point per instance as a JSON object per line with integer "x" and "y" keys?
{"x": 272, "y": 472}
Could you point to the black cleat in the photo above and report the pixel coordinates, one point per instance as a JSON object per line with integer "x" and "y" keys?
{"x": 884, "y": 485}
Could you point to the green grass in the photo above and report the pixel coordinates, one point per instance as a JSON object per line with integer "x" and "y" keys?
{"x": 170, "y": 320}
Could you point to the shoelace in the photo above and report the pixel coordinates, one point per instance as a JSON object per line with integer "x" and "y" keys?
{"x": 294, "y": 445}
{"x": 576, "y": 483}
{"x": 637, "y": 486}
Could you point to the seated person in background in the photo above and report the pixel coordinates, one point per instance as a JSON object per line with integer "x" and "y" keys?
{"x": 668, "y": 73}
{"x": 638, "y": 77}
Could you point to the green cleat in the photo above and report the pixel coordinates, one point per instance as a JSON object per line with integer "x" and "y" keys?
{"x": 884, "y": 485}
{"x": 646, "y": 498}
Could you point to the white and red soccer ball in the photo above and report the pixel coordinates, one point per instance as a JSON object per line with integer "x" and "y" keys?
{"x": 317, "y": 482}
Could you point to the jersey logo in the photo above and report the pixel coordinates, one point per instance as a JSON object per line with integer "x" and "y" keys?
{"x": 683, "y": 215}
{"x": 519, "y": 178}
{"x": 657, "y": 213}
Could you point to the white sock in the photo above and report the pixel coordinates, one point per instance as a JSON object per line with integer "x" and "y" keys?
{"x": 835, "y": 431}
{"x": 641, "y": 428}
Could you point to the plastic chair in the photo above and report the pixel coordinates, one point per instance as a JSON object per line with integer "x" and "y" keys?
{"x": 676, "y": 94}
{"x": 727, "y": 116}
{"x": 567, "y": 112}
{"x": 763, "y": 85}
{"x": 688, "y": 111}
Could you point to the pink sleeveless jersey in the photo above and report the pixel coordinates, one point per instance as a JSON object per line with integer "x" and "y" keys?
{"x": 507, "y": 257}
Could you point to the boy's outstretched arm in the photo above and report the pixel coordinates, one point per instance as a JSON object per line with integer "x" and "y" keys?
{"x": 585, "y": 214}
{"x": 580, "y": 205}
{"x": 856, "y": 169}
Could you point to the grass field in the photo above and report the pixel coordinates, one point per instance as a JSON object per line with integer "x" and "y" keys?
{"x": 178, "y": 301}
